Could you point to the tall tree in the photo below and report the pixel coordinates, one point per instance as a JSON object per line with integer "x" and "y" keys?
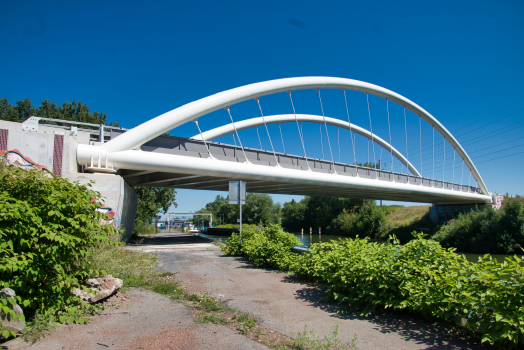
{"x": 151, "y": 201}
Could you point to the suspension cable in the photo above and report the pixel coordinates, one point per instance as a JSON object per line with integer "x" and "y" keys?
{"x": 444, "y": 164}
{"x": 321, "y": 142}
{"x": 338, "y": 141}
{"x": 389, "y": 128}
{"x": 299, "y": 131}
{"x": 267, "y": 130}
{"x": 236, "y": 132}
{"x": 327, "y": 133}
{"x": 433, "y": 166}
{"x": 406, "y": 132}
{"x": 380, "y": 158}
{"x": 201, "y": 135}
{"x": 234, "y": 140}
{"x": 454, "y": 165}
{"x": 420, "y": 142}
{"x": 259, "y": 138}
{"x": 350, "y": 131}
{"x": 369, "y": 164}
{"x": 371, "y": 129}
{"x": 462, "y": 175}
{"x": 282, "y": 137}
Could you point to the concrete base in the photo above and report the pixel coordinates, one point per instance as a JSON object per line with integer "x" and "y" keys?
{"x": 120, "y": 201}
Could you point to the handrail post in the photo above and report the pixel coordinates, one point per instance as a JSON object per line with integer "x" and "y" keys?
{"x": 101, "y": 134}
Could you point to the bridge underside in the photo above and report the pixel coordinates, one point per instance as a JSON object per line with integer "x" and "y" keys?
{"x": 369, "y": 183}
{"x": 215, "y": 183}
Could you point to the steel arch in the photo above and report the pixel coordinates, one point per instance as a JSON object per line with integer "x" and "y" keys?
{"x": 308, "y": 118}
{"x": 139, "y": 135}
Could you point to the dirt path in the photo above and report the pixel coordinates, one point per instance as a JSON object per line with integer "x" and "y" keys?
{"x": 151, "y": 321}
{"x": 286, "y": 305}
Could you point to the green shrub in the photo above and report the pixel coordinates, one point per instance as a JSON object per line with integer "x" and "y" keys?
{"x": 487, "y": 231}
{"x": 367, "y": 220}
{"x": 47, "y": 226}
{"x": 482, "y": 299}
{"x": 269, "y": 246}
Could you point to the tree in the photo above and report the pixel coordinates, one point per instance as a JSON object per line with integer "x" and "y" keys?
{"x": 259, "y": 209}
{"x": 293, "y": 214}
{"x": 67, "y": 111}
{"x": 152, "y": 200}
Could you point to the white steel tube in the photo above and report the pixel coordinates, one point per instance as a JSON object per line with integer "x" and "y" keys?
{"x": 149, "y": 130}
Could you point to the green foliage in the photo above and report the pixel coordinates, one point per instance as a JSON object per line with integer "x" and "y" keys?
{"x": 483, "y": 299}
{"x": 212, "y": 319}
{"x": 47, "y": 227}
{"x": 293, "y": 214}
{"x": 367, "y": 220}
{"x": 151, "y": 200}
{"x": 67, "y": 111}
{"x": 246, "y": 319}
{"x": 403, "y": 221}
{"x": 270, "y": 246}
{"x": 309, "y": 340}
{"x": 318, "y": 212}
{"x": 487, "y": 231}
{"x": 258, "y": 210}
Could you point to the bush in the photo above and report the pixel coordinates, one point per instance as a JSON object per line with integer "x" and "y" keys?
{"x": 483, "y": 299}
{"x": 47, "y": 226}
{"x": 365, "y": 221}
{"x": 488, "y": 231}
{"x": 423, "y": 278}
{"x": 270, "y": 246}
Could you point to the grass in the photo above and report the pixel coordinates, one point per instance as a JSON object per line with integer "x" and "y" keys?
{"x": 138, "y": 270}
{"x": 309, "y": 340}
{"x": 407, "y": 216}
{"x": 403, "y": 221}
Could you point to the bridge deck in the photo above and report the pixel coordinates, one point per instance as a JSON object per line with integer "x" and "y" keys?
{"x": 191, "y": 148}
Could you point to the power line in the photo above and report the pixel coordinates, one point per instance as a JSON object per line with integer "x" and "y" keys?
{"x": 483, "y": 126}
{"x": 489, "y": 115}
{"x": 509, "y": 155}
{"x": 483, "y": 138}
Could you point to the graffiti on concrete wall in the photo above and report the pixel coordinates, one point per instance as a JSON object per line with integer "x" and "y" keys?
{"x": 104, "y": 209}
{"x": 497, "y": 201}
{"x": 17, "y": 159}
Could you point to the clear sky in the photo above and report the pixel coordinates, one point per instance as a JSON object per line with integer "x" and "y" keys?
{"x": 460, "y": 60}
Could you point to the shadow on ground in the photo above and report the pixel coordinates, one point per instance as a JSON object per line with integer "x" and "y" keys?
{"x": 407, "y": 326}
{"x": 168, "y": 239}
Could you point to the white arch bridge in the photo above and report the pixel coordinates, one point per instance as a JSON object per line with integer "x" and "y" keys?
{"x": 144, "y": 156}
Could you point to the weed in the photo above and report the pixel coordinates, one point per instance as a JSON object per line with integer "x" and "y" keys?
{"x": 210, "y": 304}
{"x": 212, "y": 319}
{"x": 245, "y": 319}
{"x": 38, "y": 327}
{"x": 243, "y": 330}
{"x": 309, "y": 340}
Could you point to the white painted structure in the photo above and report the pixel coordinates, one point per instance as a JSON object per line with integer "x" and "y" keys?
{"x": 126, "y": 152}
{"x": 303, "y": 118}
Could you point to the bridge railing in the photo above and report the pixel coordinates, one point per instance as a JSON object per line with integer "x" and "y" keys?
{"x": 225, "y": 152}
{"x": 99, "y": 132}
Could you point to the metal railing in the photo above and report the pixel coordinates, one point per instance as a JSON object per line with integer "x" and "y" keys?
{"x": 99, "y": 134}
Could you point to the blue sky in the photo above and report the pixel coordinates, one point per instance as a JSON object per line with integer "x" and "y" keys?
{"x": 461, "y": 61}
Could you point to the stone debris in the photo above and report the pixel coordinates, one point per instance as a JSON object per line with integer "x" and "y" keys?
{"x": 7, "y": 323}
{"x": 103, "y": 287}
